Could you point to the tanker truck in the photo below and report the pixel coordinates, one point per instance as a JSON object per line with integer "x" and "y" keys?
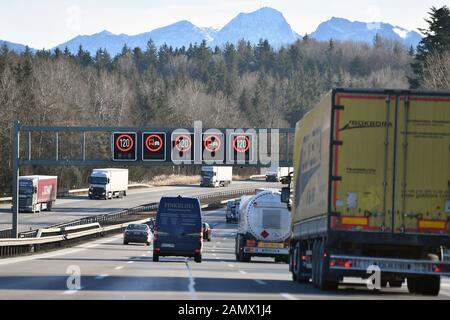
{"x": 264, "y": 227}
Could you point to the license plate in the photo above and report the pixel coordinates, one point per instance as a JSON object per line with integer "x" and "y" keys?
{"x": 270, "y": 245}
{"x": 167, "y": 245}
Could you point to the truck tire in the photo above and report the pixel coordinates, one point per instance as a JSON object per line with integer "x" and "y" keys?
{"x": 50, "y": 206}
{"x": 395, "y": 283}
{"x": 297, "y": 269}
{"x": 323, "y": 275}
{"x": 155, "y": 257}
{"x": 412, "y": 285}
{"x": 242, "y": 257}
{"x": 198, "y": 258}
{"x": 431, "y": 285}
{"x": 314, "y": 264}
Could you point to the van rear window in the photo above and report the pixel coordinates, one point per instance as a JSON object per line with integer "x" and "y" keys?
{"x": 176, "y": 213}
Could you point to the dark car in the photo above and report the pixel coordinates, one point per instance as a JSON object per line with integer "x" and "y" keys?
{"x": 137, "y": 233}
{"x": 178, "y": 229}
{"x": 232, "y": 214}
{"x": 207, "y": 232}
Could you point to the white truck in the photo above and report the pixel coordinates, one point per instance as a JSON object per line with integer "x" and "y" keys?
{"x": 216, "y": 177}
{"x": 108, "y": 183}
{"x": 274, "y": 174}
{"x": 264, "y": 227}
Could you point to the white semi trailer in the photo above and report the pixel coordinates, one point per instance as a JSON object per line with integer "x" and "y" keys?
{"x": 213, "y": 176}
{"x": 108, "y": 183}
{"x": 264, "y": 227}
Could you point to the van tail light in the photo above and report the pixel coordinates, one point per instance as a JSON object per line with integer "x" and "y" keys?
{"x": 155, "y": 234}
{"x": 157, "y": 250}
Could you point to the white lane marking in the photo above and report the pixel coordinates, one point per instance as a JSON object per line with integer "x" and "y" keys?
{"x": 130, "y": 262}
{"x": 217, "y": 258}
{"x": 242, "y": 272}
{"x": 101, "y": 276}
{"x": 444, "y": 294}
{"x": 288, "y": 296}
{"x": 143, "y": 255}
{"x": 260, "y": 282}
{"x": 70, "y": 292}
{"x": 214, "y": 254}
{"x": 231, "y": 265}
{"x": 56, "y": 254}
{"x": 191, "y": 286}
{"x": 118, "y": 268}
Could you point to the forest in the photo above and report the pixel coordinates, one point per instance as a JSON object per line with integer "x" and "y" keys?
{"x": 241, "y": 85}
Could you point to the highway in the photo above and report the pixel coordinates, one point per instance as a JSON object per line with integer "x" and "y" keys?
{"x": 74, "y": 208}
{"x": 110, "y": 270}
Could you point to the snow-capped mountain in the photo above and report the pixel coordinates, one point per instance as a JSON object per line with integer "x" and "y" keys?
{"x": 343, "y": 29}
{"x": 265, "y": 23}
{"x": 179, "y": 34}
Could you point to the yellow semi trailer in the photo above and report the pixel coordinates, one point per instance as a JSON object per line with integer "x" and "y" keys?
{"x": 371, "y": 189}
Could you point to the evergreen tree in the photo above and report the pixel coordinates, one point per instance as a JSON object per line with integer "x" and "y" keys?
{"x": 436, "y": 40}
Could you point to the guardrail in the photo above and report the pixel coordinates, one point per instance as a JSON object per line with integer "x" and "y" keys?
{"x": 77, "y": 192}
{"x": 33, "y": 241}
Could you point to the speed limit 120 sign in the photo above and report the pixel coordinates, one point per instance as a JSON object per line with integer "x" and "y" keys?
{"x": 242, "y": 148}
{"x": 124, "y": 146}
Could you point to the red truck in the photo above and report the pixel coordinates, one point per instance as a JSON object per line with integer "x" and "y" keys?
{"x": 37, "y": 193}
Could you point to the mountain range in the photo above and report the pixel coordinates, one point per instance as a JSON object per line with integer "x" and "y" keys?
{"x": 265, "y": 23}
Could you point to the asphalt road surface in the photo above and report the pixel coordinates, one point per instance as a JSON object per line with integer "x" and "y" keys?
{"x": 110, "y": 270}
{"x": 74, "y": 208}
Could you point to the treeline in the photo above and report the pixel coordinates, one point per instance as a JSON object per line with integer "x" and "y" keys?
{"x": 240, "y": 85}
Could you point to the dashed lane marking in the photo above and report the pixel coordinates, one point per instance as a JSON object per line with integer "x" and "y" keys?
{"x": 191, "y": 285}
{"x": 118, "y": 268}
{"x": 288, "y": 296}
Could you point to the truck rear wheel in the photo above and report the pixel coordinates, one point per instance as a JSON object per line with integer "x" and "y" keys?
{"x": 297, "y": 268}
{"x": 324, "y": 283}
{"x": 412, "y": 285}
{"x": 314, "y": 264}
{"x": 431, "y": 285}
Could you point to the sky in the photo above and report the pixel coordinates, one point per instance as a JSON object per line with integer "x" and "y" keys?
{"x": 47, "y": 23}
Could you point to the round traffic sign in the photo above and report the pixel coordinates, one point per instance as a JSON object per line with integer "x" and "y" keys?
{"x": 183, "y": 143}
{"x": 124, "y": 142}
{"x": 212, "y": 146}
{"x": 154, "y": 143}
{"x": 241, "y": 144}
